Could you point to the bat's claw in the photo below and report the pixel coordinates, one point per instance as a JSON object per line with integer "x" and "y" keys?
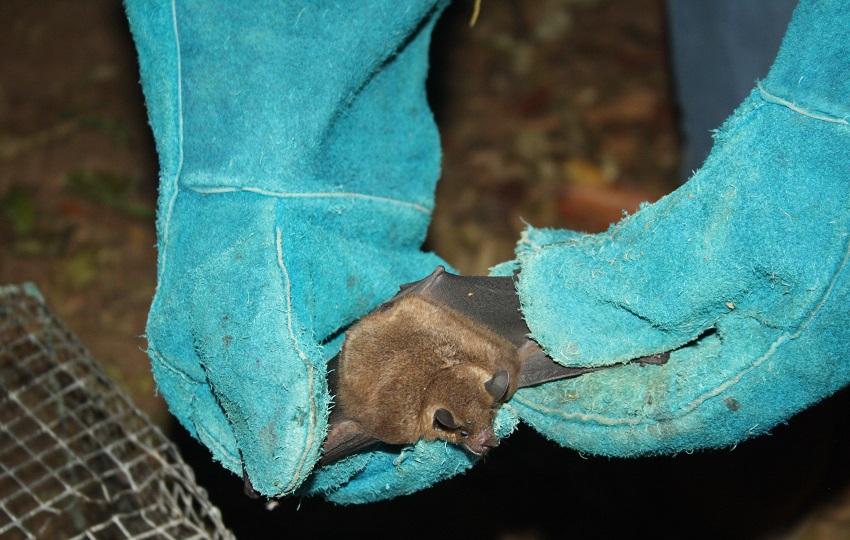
{"x": 248, "y": 487}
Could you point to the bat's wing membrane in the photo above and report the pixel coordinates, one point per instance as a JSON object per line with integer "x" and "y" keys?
{"x": 488, "y": 300}
{"x": 537, "y": 368}
{"x": 344, "y": 438}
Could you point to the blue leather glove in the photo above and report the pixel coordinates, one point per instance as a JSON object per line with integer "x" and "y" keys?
{"x": 298, "y": 162}
{"x": 742, "y": 272}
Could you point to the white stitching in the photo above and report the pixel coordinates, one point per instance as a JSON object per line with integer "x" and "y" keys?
{"x": 284, "y": 195}
{"x": 309, "y": 443}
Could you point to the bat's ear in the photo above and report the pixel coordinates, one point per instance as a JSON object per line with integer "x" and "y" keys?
{"x": 497, "y": 387}
{"x": 444, "y": 419}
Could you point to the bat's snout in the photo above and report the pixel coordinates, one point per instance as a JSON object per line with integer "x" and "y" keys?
{"x": 482, "y": 443}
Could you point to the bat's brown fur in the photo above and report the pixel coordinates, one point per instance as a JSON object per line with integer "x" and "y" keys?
{"x": 399, "y": 365}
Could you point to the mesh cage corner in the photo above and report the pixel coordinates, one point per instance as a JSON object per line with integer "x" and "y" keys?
{"x": 77, "y": 458}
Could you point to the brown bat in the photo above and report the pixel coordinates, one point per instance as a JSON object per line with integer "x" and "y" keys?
{"x": 435, "y": 362}
{"x": 416, "y": 369}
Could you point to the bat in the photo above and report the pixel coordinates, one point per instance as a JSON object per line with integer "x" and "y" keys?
{"x": 435, "y": 362}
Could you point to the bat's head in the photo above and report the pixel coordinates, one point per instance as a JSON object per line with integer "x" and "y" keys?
{"x": 464, "y": 415}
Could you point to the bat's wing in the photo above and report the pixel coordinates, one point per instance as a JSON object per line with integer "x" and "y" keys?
{"x": 537, "y": 368}
{"x": 344, "y": 435}
{"x": 344, "y": 438}
{"x": 488, "y": 300}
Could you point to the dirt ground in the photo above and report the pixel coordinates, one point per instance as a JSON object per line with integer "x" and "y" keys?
{"x": 556, "y": 112}
{"x": 78, "y": 177}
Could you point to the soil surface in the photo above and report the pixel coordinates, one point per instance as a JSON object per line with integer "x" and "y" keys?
{"x": 558, "y": 113}
{"x": 78, "y": 177}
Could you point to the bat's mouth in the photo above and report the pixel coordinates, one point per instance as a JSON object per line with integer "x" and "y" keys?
{"x": 477, "y": 451}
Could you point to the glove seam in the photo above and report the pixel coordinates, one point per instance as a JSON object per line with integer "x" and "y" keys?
{"x": 776, "y": 100}
{"x": 175, "y": 182}
{"x": 153, "y": 351}
{"x": 308, "y": 444}
{"x": 233, "y": 462}
{"x": 215, "y": 190}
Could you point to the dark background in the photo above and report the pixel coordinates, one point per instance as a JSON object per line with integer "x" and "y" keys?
{"x": 559, "y": 112}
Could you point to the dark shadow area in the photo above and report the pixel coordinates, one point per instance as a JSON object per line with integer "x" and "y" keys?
{"x": 531, "y": 487}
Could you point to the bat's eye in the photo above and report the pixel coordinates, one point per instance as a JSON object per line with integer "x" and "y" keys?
{"x": 464, "y": 434}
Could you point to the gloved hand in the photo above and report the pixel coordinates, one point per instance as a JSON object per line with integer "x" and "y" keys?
{"x": 298, "y": 162}
{"x": 742, "y": 273}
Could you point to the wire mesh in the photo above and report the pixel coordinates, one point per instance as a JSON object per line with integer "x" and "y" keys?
{"x": 77, "y": 458}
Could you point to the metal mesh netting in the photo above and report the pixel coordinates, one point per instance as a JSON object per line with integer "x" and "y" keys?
{"x": 77, "y": 458}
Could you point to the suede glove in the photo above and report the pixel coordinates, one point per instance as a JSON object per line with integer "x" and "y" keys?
{"x": 298, "y": 162}
{"x": 742, "y": 273}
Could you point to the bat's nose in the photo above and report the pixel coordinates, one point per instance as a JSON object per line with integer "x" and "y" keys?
{"x": 487, "y": 447}
{"x": 483, "y": 443}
